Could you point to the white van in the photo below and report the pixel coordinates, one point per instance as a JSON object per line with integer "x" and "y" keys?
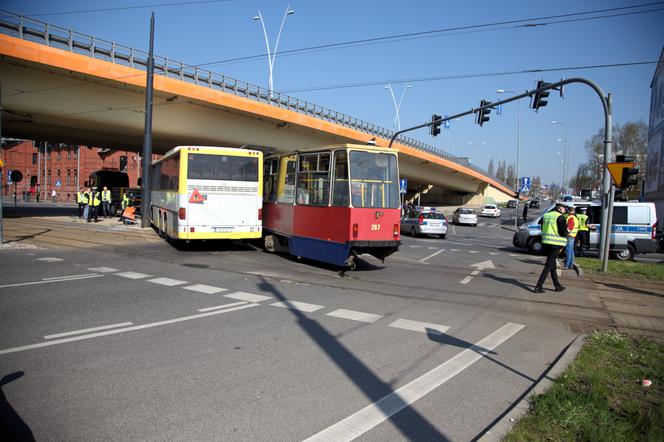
{"x": 633, "y": 229}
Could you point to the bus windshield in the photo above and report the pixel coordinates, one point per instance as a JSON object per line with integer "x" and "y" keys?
{"x": 222, "y": 167}
{"x": 374, "y": 181}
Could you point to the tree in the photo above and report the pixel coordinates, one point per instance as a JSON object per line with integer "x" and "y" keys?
{"x": 491, "y": 167}
{"x": 536, "y": 185}
{"x": 501, "y": 173}
{"x": 582, "y": 179}
{"x": 511, "y": 176}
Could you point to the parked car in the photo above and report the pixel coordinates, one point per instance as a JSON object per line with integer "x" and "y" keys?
{"x": 511, "y": 204}
{"x": 464, "y": 215}
{"x": 490, "y": 210}
{"x": 633, "y": 231}
{"x": 534, "y": 204}
{"x": 422, "y": 221}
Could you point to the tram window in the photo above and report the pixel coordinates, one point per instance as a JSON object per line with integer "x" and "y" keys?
{"x": 287, "y": 194}
{"x": 340, "y": 192}
{"x": 270, "y": 176}
{"x": 313, "y": 179}
{"x": 374, "y": 181}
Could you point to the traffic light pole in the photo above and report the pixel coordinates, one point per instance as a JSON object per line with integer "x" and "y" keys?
{"x": 606, "y": 183}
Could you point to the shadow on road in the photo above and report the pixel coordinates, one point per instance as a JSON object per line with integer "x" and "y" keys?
{"x": 633, "y": 290}
{"x": 12, "y": 427}
{"x": 24, "y": 237}
{"x": 36, "y": 210}
{"x": 408, "y": 421}
{"x": 510, "y": 281}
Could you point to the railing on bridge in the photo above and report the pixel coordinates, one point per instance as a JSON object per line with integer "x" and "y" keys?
{"x": 51, "y": 35}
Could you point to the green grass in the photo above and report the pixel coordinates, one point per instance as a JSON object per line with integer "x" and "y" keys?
{"x": 648, "y": 270}
{"x": 600, "y": 397}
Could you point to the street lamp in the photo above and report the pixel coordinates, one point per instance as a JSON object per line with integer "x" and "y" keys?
{"x": 518, "y": 148}
{"x": 564, "y": 155}
{"x": 272, "y": 55}
{"x": 397, "y": 106}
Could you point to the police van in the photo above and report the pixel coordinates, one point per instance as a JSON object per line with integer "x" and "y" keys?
{"x": 633, "y": 230}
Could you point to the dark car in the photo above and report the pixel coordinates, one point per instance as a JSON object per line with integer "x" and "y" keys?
{"x": 511, "y": 204}
{"x": 534, "y": 204}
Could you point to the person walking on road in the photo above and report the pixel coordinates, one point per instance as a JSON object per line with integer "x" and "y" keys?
{"x": 54, "y": 195}
{"x": 106, "y": 201}
{"x": 554, "y": 238}
{"x": 572, "y": 230}
{"x": 80, "y": 201}
{"x": 525, "y": 212}
{"x": 86, "y": 202}
{"x": 95, "y": 202}
{"x": 582, "y": 237}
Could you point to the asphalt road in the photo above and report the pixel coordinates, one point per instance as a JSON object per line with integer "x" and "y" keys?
{"x": 221, "y": 341}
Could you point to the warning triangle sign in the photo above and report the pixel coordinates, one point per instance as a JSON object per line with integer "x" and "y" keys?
{"x": 196, "y": 197}
{"x": 616, "y": 170}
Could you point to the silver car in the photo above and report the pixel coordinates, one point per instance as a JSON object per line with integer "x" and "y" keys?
{"x": 464, "y": 215}
{"x": 424, "y": 222}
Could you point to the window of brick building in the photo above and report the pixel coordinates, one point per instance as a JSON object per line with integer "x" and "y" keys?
{"x": 34, "y": 158}
{"x": 76, "y": 148}
{"x": 59, "y": 153}
{"x": 68, "y": 177}
{"x": 68, "y": 153}
{"x": 75, "y": 177}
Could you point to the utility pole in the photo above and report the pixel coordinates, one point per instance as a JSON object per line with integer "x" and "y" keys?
{"x": 147, "y": 135}
{"x": 3, "y": 169}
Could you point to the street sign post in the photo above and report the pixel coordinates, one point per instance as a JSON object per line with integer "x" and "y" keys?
{"x": 403, "y": 185}
{"x": 58, "y": 183}
{"x": 524, "y": 184}
{"x": 616, "y": 171}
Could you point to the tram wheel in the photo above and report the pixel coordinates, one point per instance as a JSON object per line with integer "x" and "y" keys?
{"x": 269, "y": 243}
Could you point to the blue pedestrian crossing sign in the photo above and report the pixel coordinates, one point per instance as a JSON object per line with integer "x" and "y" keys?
{"x": 403, "y": 185}
{"x": 524, "y": 184}
{"x": 446, "y": 124}
{"x": 58, "y": 183}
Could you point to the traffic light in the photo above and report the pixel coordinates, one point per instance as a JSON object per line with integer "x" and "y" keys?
{"x": 434, "y": 129}
{"x": 483, "y": 114}
{"x": 630, "y": 177}
{"x": 623, "y": 171}
{"x": 539, "y": 99}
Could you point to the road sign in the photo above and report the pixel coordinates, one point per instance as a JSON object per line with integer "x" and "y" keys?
{"x": 196, "y": 197}
{"x": 446, "y": 124}
{"x": 499, "y": 109}
{"x": 58, "y": 183}
{"x": 616, "y": 171}
{"x": 524, "y": 184}
{"x": 403, "y": 185}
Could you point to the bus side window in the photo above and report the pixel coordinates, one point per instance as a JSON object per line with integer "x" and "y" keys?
{"x": 340, "y": 192}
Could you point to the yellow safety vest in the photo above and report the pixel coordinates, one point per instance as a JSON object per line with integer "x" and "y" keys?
{"x": 86, "y": 197}
{"x": 550, "y": 229}
{"x": 79, "y": 197}
{"x": 95, "y": 199}
{"x": 575, "y": 229}
{"x": 125, "y": 201}
{"x": 106, "y": 195}
{"x": 583, "y": 222}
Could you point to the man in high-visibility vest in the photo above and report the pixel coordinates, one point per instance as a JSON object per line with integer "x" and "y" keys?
{"x": 584, "y": 231}
{"x": 572, "y": 230}
{"x": 124, "y": 204}
{"x": 95, "y": 202}
{"x": 81, "y": 202}
{"x": 554, "y": 238}
{"x": 106, "y": 201}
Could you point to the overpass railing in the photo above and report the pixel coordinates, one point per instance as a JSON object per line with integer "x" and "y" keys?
{"x": 38, "y": 31}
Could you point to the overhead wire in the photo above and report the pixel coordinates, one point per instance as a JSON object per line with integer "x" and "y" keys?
{"x": 124, "y": 8}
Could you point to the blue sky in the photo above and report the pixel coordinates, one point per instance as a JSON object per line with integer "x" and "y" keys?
{"x": 225, "y": 30}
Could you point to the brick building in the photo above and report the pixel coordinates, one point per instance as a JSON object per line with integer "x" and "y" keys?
{"x": 62, "y": 166}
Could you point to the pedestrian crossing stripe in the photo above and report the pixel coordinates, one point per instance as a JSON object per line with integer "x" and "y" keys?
{"x": 196, "y": 197}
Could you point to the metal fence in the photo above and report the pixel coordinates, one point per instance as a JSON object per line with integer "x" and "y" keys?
{"x": 41, "y": 32}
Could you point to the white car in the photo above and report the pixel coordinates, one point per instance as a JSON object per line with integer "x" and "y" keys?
{"x": 490, "y": 210}
{"x": 464, "y": 215}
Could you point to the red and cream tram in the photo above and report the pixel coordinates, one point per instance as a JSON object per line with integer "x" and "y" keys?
{"x": 332, "y": 203}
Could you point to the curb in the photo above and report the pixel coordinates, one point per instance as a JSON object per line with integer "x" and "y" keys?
{"x": 503, "y": 424}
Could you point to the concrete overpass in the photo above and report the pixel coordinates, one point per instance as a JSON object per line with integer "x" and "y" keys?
{"x": 63, "y": 86}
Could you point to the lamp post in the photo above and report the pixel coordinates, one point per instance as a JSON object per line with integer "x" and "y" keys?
{"x": 397, "y": 106}
{"x": 518, "y": 150}
{"x": 271, "y": 56}
{"x": 564, "y": 156}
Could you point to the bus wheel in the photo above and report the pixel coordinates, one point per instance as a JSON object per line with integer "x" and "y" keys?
{"x": 269, "y": 243}
{"x": 350, "y": 263}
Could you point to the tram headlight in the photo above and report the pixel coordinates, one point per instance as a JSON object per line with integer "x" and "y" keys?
{"x": 395, "y": 231}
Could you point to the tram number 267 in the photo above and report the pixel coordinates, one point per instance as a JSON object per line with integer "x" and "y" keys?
{"x": 375, "y": 227}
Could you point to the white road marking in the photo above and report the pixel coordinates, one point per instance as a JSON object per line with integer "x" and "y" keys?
{"x": 454, "y": 250}
{"x": 202, "y": 288}
{"x": 416, "y": 247}
{"x": 217, "y": 307}
{"x": 87, "y": 330}
{"x": 514, "y": 254}
{"x": 167, "y": 281}
{"x": 249, "y": 297}
{"x": 466, "y": 280}
{"x": 50, "y": 259}
{"x": 123, "y": 330}
{"x": 132, "y": 275}
{"x": 432, "y": 255}
{"x": 355, "y": 315}
{"x": 475, "y": 272}
{"x": 418, "y": 326}
{"x": 374, "y": 414}
{"x": 401, "y": 258}
{"x": 103, "y": 269}
{"x": 68, "y": 276}
{"x": 493, "y": 253}
{"x": 300, "y": 306}
{"x": 431, "y": 248}
{"x": 473, "y": 251}
{"x": 50, "y": 281}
